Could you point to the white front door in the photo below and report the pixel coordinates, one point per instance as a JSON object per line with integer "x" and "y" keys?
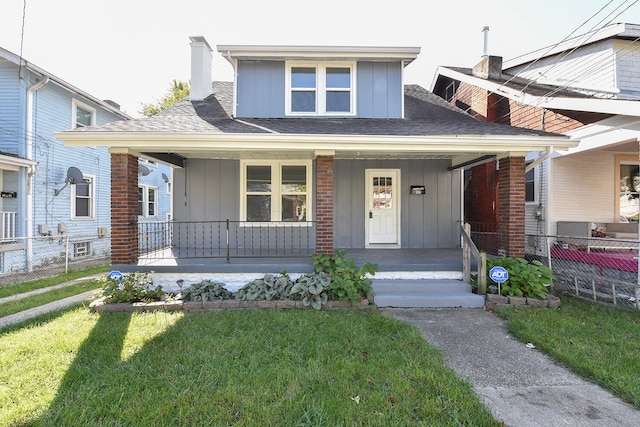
{"x": 382, "y": 208}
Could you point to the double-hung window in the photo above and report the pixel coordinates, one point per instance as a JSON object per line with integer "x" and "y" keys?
{"x": 320, "y": 88}
{"x": 82, "y": 198}
{"x": 530, "y": 186}
{"x": 147, "y": 201}
{"x": 276, "y": 191}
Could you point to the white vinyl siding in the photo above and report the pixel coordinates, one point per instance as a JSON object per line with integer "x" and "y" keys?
{"x": 583, "y": 187}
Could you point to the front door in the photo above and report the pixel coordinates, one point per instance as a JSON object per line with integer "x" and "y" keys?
{"x": 382, "y": 208}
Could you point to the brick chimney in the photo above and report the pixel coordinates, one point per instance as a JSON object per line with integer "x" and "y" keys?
{"x": 489, "y": 68}
{"x": 201, "y": 81}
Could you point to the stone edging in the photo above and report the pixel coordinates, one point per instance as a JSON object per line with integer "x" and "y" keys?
{"x": 219, "y": 305}
{"x": 494, "y": 300}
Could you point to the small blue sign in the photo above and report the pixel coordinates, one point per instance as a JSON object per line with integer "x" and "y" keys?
{"x": 115, "y": 275}
{"x": 499, "y": 274}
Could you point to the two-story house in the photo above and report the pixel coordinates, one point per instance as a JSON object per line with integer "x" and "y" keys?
{"x": 310, "y": 149}
{"x": 588, "y": 88}
{"x": 55, "y": 204}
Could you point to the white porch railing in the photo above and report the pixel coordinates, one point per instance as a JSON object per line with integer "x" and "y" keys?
{"x": 8, "y": 225}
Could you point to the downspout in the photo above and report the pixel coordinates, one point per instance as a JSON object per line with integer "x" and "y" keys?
{"x": 29, "y": 156}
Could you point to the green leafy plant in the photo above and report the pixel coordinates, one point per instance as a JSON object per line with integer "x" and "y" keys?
{"x": 525, "y": 279}
{"x": 206, "y": 290}
{"x": 348, "y": 281}
{"x": 270, "y": 287}
{"x": 312, "y": 289}
{"x": 133, "y": 287}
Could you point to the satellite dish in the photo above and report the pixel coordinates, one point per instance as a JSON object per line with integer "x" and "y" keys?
{"x": 143, "y": 170}
{"x": 165, "y": 178}
{"x": 74, "y": 175}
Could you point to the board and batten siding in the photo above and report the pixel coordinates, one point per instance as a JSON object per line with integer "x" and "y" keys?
{"x": 583, "y": 188}
{"x": 427, "y": 221}
{"x": 261, "y": 89}
{"x": 379, "y": 90}
{"x": 207, "y": 190}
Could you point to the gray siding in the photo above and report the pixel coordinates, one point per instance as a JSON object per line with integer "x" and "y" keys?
{"x": 11, "y": 133}
{"x": 213, "y": 190}
{"x": 428, "y": 221}
{"x": 261, "y": 89}
{"x": 379, "y": 90}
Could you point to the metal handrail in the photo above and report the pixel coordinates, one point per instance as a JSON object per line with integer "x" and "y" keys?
{"x": 469, "y": 248}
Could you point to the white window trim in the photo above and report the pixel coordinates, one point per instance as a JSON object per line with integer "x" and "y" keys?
{"x": 321, "y": 89}
{"x": 74, "y": 112}
{"x": 276, "y": 190}
{"x": 145, "y": 200}
{"x": 92, "y": 200}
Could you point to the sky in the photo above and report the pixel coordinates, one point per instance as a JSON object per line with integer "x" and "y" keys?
{"x": 130, "y": 51}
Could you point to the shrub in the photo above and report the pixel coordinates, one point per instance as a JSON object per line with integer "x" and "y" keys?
{"x": 525, "y": 279}
{"x": 270, "y": 287}
{"x": 206, "y": 290}
{"x": 312, "y": 289}
{"x": 348, "y": 281}
{"x": 133, "y": 287}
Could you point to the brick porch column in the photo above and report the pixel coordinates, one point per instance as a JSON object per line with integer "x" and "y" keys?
{"x": 511, "y": 203}
{"x": 124, "y": 209}
{"x": 324, "y": 204}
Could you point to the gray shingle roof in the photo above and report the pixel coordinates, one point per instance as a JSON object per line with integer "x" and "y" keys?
{"x": 425, "y": 114}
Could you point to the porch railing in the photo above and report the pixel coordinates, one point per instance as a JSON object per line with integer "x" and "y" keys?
{"x": 469, "y": 249}
{"x": 225, "y": 239}
{"x": 8, "y": 225}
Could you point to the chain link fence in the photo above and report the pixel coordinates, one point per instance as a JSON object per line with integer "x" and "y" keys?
{"x": 599, "y": 269}
{"x": 25, "y": 259}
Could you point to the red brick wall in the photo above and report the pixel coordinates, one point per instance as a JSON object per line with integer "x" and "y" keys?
{"x": 511, "y": 201}
{"x": 324, "y": 204}
{"x": 124, "y": 209}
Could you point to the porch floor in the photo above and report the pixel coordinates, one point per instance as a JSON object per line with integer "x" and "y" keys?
{"x": 388, "y": 260}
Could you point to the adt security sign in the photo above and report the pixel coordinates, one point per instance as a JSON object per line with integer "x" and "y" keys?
{"x": 499, "y": 274}
{"x": 115, "y": 275}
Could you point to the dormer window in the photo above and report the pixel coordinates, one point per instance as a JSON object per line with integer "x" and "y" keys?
{"x": 320, "y": 88}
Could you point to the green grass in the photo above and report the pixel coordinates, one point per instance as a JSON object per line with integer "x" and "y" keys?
{"x": 8, "y": 290}
{"x": 599, "y": 343}
{"x": 248, "y": 368}
{"x": 12, "y": 307}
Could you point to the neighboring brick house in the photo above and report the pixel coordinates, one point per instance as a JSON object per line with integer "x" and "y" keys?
{"x": 587, "y": 88}
{"x": 323, "y": 144}
{"x": 49, "y": 191}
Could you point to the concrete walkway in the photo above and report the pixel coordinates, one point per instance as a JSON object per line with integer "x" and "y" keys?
{"x": 521, "y": 385}
{"x": 46, "y": 308}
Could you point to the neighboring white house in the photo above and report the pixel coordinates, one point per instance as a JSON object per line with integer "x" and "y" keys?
{"x": 588, "y": 88}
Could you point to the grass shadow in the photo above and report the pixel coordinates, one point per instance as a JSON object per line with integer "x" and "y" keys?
{"x": 84, "y": 380}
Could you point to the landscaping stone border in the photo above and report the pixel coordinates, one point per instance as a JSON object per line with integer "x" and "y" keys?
{"x": 494, "y": 300}
{"x": 99, "y": 306}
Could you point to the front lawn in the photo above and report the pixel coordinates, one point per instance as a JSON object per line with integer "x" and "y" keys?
{"x": 249, "y": 368}
{"x": 600, "y": 343}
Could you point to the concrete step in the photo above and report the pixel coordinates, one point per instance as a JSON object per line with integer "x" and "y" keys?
{"x": 425, "y": 294}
